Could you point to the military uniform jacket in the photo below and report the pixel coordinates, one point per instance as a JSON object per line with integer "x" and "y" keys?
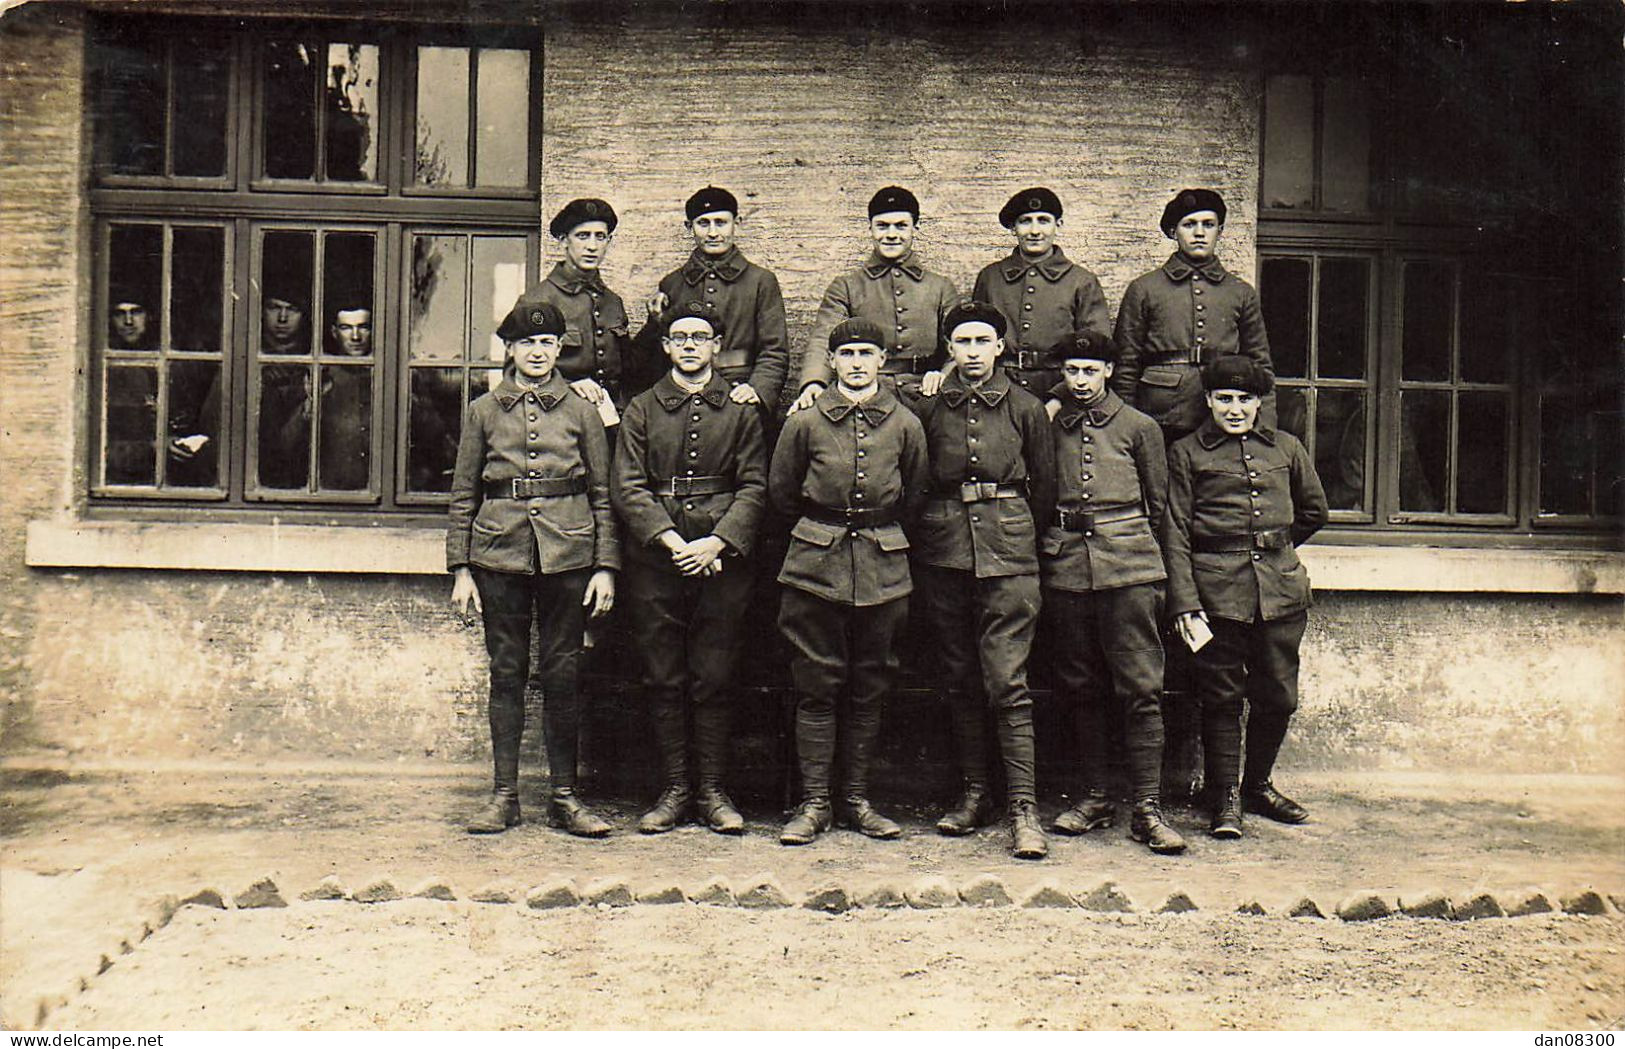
{"x": 669, "y": 433}
{"x": 1175, "y": 319}
{"x": 870, "y": 455}
{"x": 1257, "y": 492}
{"x": 907, "y": 300}
{"x": 755, "y": 343}
{"x": 595, "y": 344}
{"x": 1044, "y": 302}
{"x": 1109, "y": 460}
{"x": 515, "y": 432}
{"x": 996, "y": 434}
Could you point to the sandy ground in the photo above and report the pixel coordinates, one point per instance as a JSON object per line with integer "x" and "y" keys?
{"x": 86, "y": 851}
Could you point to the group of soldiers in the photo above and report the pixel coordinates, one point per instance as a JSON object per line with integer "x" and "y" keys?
{"x": 1000, "y": 460}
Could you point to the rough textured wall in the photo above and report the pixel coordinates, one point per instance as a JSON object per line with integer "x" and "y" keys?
{"x": 42, "y": 270}
{"x": 805, "y": 120}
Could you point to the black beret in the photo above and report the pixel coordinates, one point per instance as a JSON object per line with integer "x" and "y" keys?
{"x": 1235, "y": 372}
{"x": 530, "y": 317}
{"x": 1089, "y": 344}
{"x": 969, "y": 311}
{"x": 1187, "y": 201}
{"x": 585, "y": 209}
{"x": 692, "y": 308}
{"x": 1036, "y": 199}
{"x": 894, "y": 198}
{"x": 856, "y": 329}
{"x": 709, "y": 199}
{"x": 121, "y": 290}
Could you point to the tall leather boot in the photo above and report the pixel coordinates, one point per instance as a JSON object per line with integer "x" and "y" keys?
{"x": 507, "y": 715}
{"x": 712, "y": 722}
{"x": 1015, "y": 728}
{"x": 862, "y": 736}
{"x": 1266, "y": 731}
{"x": 815, "y": 752}
{"x": 669, "y": 722}
{"x": 561, "y": 722}
{"x": 968, "y": 720}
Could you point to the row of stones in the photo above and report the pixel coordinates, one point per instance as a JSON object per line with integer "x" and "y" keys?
{"x": 764, "y": 893}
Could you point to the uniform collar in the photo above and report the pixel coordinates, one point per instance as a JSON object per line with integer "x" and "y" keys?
{"x": 1178, "y": 268}
{"x": 1054, "y": 266}
{"x": 672, "y": 396}
{"x": 1210, "y": 436}
{"x": 956, "y": 392}
{"x": 572, "y": 281}
{"x": 730, "y": 266}
{"x": 1097, "y": 415}
{"x": 876, "y": 266}
{"x": 550, "y": 393}
{"x": 836, "y": 405}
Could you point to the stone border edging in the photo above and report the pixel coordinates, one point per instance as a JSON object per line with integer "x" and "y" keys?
{"x": 763, "y": 892}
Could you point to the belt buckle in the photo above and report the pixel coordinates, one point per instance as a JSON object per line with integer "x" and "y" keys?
{"x": 680, "y": 486}
{"x": 977, "y": 491}
{"x": 1081, "y": 519}
{"x": 1030, "y": 360}
{"x": 515, "y": 486}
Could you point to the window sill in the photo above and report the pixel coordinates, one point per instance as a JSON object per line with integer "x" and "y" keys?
{"x": 421, "y": 551}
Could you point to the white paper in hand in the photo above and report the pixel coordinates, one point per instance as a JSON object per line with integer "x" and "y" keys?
{"x": 1199, "y": 633}
{"x": 607, "y": 412}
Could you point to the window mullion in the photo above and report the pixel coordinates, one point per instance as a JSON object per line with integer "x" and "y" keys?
{"x": 473, "y": 117}
{"x": 1389, "y": 353}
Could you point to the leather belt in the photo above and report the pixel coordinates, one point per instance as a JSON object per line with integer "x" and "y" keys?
{"x": 533, "y": 487}
{"x": 850, "y": 516}
{"x": 982, "y": 491}
{"x": 710, "y": 484}
{"x": 1165, "y": 359}
{"x": 1086, "y": 520}
{"x": 1271, "y": 539}
{"x": 1031, "y": 361}
{"x": 906, "y": 366}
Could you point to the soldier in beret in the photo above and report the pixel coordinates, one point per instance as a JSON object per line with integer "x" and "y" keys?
{"x": 595, "y": 354}
{"x": 1183, "y": 314}
{"x": 975, "y": 546}
{"x": 1044, "y": 295}
{"x": 1103, "y": 586}
{"x": 1242, "y": 496}
{"x": 690, "y": 487}
{"x": 892, "y": 289}
{"x": 755, "y": 357}
{"x": 851, "y": 472}
{"x": 531, "y": 534}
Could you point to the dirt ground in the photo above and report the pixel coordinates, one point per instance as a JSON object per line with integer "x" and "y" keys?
{"x": 86, "y": 850}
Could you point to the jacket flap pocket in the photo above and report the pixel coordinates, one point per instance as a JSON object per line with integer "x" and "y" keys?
{"x": 1168, "y": 377}
{"x": 815, "y": 532}
{"x": 891, "y": 539}
{"x": 572, "y": 337}
{"x": 1051, "y": 544}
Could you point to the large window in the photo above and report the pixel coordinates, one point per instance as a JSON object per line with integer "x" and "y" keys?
{"x": 1423, "y": 271}
{"x": 305, "y": 239}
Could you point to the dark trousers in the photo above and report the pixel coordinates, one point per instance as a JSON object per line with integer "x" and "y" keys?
{"x": 839, "y": 652}
{"x": 981, "y": 633}
{"x": 509, "y": 599}
{"x": 1106, "y": 648}
{"x": 1258, "y": 662}
{"x": 688, "y": 630}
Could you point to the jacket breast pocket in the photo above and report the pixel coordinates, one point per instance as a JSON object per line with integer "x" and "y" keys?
{"x": 1161, "y": 393}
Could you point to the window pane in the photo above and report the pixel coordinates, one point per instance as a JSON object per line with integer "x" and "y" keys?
{"x": 1345, "y": 168}
{"x": 499, "y": 279}
{"x": 437, "y": 324}
{"x": 351, "y": 97}
{"x": 203, "y": 84}
{"x": 194, "y": 424}
{"x": 290, "y": 108}
{"x": 1292, "y": 411}
{"x": 197, "y": 276}
{"x": 131, "y": 108}
{"x": 502, "y": 151}
{"x": 284, "y": 437}
{"x": 1340, "y": 456}
{"x": 1429, "y": 317}
{"x": 1487, "y": 319}
{"x": 442, "y": 115}
{"x": 131, "y": 428}
{"x": 1567, "y": 450}
{"x": 1481, "y": 453}
{"x": 286, "y": 272}
{"x": 1341, "y": 327}
{"x": 1289, "y": 142}
{"x": 433, "y": 426}
{"x": 347, "y": 294}
{"x": 135, "y": 269}
{"x": 1424, "y": 443}
{"x": 346, "y": 427}
{"x": 1284, "y": 294}
{"x": 1610, "y": 461}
